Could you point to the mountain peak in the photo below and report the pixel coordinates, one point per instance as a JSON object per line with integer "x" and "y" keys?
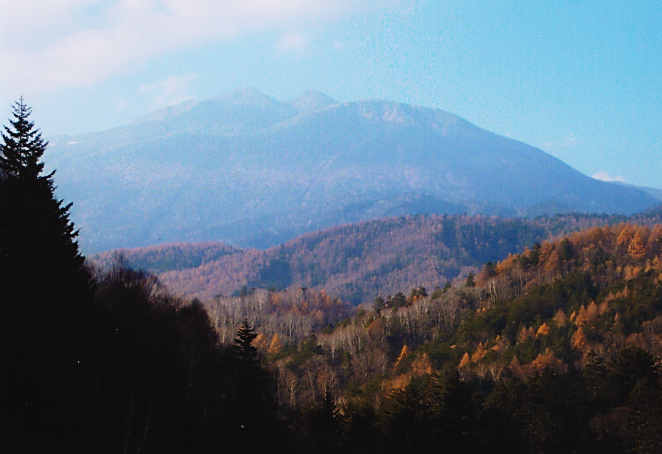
{"x": 248, "y": 96}
{"x": 312, "y": 101}
{"x": 241, "y": 111}
{"x": 166, "y": 112}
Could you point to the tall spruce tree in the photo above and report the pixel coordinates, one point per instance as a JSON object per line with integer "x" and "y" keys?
{"x": 324, "y": 424}
{"x": 254, "y": 420}
{"x": 45, "y": 304}
{"x": 244, "y": 342}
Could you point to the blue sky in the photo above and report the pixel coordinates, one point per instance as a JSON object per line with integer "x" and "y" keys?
{"x": 582, "y": 80}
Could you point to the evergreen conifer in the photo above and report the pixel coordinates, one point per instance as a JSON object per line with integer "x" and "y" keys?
{"x": 324, "y": 424}
{"x": 45, "y": 308}
{"x": 254, "y": 421}
{"x": 244, "y": 340}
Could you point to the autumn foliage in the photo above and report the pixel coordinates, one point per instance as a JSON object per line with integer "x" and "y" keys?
{"x": 523, "y": 340}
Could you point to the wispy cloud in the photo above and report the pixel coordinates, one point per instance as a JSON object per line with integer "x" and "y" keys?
{"x": 293, "y": 42}
{"x": 46, "y": 44}
{"x": 170, "y": 91}
{"x": 566, "y": 141}
{"x": 338, "y": 45}
{"x": 604, "y": 176}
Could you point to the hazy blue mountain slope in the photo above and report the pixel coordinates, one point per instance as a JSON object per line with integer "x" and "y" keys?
{"x": 252, "y": 171}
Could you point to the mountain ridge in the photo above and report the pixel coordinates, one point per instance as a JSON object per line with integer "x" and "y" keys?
{"x": 252, "y": 171}
{"x": 356, "y": 262}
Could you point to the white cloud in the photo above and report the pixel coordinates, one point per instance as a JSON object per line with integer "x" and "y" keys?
{"x": 566, "y": 141}
{"x": 47, "y": 44}
{"x": 604, "y": 176}
{"x": 338, "y": 45}
{"x": 168, "y": 92}
{"x": 293, "y": 42}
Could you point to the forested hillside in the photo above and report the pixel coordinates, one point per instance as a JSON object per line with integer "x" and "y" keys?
{"x": 556, "y": 349}
{"x": 357, "y": 262}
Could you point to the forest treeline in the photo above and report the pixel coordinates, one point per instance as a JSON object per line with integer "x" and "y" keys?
{"x": 552, "y": 350}
{"x": 359, "y": 261}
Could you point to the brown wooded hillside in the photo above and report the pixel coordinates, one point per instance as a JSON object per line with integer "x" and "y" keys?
{"x": 357, "y": 262}
{"x": 552, "y": 350}
{"x": 566, "y": 336}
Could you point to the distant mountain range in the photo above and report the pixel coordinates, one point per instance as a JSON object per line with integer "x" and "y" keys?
{"x": 357, "y": 262}
{"x": 252, "y": 171}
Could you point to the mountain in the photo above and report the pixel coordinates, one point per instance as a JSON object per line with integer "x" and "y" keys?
{"x": 312, "y": 101}
{"x": 252, "y": 171}
{"x": 653, "y": 192}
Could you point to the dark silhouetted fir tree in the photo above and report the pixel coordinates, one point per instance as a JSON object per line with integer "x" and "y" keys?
{"x": 243, "y": 342}
{"x": 324, "y": 424}
{"x": 254, "y": 422}
{"x": 45, "y": 305}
